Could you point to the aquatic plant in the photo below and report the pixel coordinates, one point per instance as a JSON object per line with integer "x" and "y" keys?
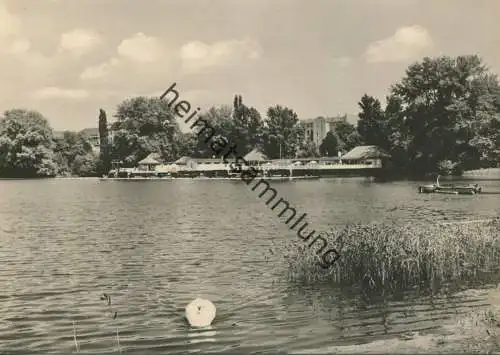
{"x": 77, "y": 346}
{"x": 382, "y": 255}
{"x": 114, "y": 315}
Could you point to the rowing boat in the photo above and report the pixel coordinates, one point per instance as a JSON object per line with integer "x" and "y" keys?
{"x": 454, "y": 189}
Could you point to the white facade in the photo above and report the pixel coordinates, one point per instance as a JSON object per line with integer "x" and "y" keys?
{"x": 317, "y": 128}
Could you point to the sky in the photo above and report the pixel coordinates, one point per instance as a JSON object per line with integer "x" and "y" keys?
{"x": 69, "y": 58}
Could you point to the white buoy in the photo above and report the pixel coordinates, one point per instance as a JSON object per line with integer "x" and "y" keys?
{"x": 200, "y": 313}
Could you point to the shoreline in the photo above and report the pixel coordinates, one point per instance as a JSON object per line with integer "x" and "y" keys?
{"x": 492, "y": 174}
{"x": 272, "y": 178}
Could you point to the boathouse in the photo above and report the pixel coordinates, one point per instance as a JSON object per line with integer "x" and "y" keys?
{"x": 256, "y": 158}
{"x": 366, "y": 154}
{"x": 149, "y": 163}
{"x": 186, "y": 162}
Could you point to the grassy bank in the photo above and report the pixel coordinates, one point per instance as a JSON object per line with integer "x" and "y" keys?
{"x": 392, "y": 256}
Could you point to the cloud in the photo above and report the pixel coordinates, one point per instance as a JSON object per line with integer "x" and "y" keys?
{"x": 150, "y": 57}
{"x": 139, "y": 49}
{"x": 17, "y": 57}
{"x": 53, "y": 92}
{"x": 22, "y": 68}
{"x": 406, "y": 44}
{"x": 18, "y": 46}
{"x": 9, "y": 23}
{"x": 79, "y": 41}
{"x": 198, "y": 55}
{"x": 99, "y": 71}
{"x": 11, "y": 41}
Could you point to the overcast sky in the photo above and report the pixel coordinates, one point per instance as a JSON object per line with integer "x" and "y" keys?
{"x": 68, "y": 58}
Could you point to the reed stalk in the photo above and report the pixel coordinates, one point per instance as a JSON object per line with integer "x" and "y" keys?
{"x": 392, "y": 256}
{"x": 77, "y": 346}
{"x": 114, "y": 315}
{"x": 118, "y": 340}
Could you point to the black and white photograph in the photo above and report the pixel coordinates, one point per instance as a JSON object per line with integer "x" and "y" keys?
{"x": 249, "y": 176}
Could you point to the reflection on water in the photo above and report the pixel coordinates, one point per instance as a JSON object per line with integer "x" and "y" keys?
{"x": 155, "y": 246}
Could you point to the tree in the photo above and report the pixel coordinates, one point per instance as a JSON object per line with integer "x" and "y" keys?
{"x": 240, "y": 125}
{"x": 187, "y": 145}
{"x": 84, "y": 165}
{"x": 74, "y": 154}
{"x": 448, "y": 114}
{"x": 283, "y": 135}
{"x": 26, "y": 143}
{"x": 221, "y": 119}
{"x": 248, "y": 126}
{"x": 308, "y": 150}
{"x": 397, "y": 132}
{"x": 347, "y": 135}
{"x": 371, "y": 123}
{"x": 104, "y": 164}
{"x": 329, "y": 146}
{"x": 144, "y": 125}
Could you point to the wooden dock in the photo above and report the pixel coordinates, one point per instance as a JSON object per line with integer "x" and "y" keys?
{"x": 204, "y": 178}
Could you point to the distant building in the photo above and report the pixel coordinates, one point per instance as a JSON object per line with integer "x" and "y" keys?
{"x": 93, "y": 135}
{"x": 317, "y": 128}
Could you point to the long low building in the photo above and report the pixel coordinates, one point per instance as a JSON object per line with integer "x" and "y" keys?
{"x": 360, "y": 161}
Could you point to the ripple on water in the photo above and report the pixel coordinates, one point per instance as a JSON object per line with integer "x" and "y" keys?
{"x": 155, "y": 247}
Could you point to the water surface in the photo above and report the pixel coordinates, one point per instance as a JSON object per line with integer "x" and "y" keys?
{"x": 156, "y": 245}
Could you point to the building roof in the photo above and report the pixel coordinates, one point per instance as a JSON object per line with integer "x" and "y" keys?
{"x": 255, "y": 155}
{"x": 331, "y": 119}
{"x": 155, "y": 156}
{"x": 149, "y": 160}
{"x": 90, "y": 131}
{"x": 329, "y": 159}
{"x": 208, "y": 160}
{"x": 183, "y": 160}
{"x": 58, "y": 134}
{"x": 365, "y": 152}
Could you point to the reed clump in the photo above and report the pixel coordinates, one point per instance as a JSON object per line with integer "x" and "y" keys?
{"x": 391, "y": 255}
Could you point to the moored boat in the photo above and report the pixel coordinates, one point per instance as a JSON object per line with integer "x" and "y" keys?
{"x": 470, "y": 189}
{"x": 427, "y": 188}
{"x": 461, "y": 189}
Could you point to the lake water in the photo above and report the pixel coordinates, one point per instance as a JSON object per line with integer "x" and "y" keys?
{"x": 156, "y": 245}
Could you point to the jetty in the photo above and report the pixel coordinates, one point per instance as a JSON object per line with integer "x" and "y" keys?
{"x": 483, "y": 174}
{"x": 153, "y": 178}
{"x": 360, "y": 161}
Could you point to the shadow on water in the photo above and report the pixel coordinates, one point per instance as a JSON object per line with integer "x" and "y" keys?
{"x": 361, "y": 315}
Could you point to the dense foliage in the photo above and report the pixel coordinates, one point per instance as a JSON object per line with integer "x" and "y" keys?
{"x": 74, "y": 155}
{"x": 442, "y": 117}
{"x": 144, "y": 125}
{"x": 330, "y": 145}
{"x": 26, "y": 145}
{"x": 105, "y": 147}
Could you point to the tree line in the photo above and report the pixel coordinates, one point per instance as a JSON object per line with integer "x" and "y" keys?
{"x": 442, "y": 117}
